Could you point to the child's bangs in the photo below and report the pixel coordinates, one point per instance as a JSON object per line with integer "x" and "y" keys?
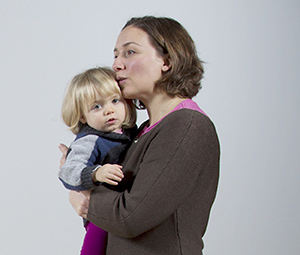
{"x": 108, "y": 89}
{"x": 104, "y": 90}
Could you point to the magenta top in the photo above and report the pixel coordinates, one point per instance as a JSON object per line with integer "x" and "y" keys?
{"x": 187, "y": 104}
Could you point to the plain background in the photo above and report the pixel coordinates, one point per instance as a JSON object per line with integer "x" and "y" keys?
{"x": 251, "y": 92}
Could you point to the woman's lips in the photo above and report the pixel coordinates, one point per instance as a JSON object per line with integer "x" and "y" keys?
{"x": 121, "y": 80}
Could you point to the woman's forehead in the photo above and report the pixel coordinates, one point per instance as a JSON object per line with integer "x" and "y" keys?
{"x": 131, "y": 35}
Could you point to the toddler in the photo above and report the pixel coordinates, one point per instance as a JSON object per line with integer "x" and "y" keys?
{"x": 104, "y": 125}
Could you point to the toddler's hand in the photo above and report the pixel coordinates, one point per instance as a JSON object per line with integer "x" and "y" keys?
{"x": 111, "y": 174}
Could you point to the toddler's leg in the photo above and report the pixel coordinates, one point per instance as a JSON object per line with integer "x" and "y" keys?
{"x": 94, "y": 241}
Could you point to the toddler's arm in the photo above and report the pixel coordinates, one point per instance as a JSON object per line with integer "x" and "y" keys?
{"x": 79, "y": 171}
{"x": 82, "y": 155}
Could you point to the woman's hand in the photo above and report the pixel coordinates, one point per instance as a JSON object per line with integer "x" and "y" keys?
{"x": 64, "y": 149}
{"x": 80, "y": 202}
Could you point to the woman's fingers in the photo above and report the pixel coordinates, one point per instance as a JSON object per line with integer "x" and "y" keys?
{"x": 87, "y": 193}
{"x": 64, "y": 149}
{"x": 79, "y": 202}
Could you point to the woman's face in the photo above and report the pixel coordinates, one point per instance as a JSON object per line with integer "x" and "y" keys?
{"x": 137, "y": 64}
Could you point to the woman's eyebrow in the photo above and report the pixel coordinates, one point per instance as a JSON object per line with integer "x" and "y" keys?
{"x": 125, "y": 45}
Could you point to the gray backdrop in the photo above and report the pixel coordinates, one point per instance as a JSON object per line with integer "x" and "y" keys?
{"x": 251, "y": 92}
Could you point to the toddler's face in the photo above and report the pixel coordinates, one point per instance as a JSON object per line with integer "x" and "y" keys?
{"x": 106, "y": 114}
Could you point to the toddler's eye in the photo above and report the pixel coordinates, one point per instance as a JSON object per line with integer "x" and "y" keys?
{"x": 116, "y": 100}
{"x": 97, "y": 106}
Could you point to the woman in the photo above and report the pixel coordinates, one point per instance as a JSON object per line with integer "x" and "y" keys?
{"x": 171, "y": 171}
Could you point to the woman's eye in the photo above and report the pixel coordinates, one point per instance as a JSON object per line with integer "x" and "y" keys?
{"x": 129, "y": 52}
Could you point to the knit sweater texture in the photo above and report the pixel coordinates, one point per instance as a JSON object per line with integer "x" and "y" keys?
{"x": 162, "y": 206}
{"x": 91, "y": 149}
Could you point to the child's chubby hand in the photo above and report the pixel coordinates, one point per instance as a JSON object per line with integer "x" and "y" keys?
{"x": 109, "y": 173}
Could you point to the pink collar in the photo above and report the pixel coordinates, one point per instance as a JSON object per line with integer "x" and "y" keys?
{"x": 186, "y": 104}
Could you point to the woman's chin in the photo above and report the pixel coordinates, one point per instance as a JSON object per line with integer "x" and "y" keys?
{"x": 126, "y": 94}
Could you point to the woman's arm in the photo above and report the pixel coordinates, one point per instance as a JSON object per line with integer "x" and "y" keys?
{"x": 183, "y": 157}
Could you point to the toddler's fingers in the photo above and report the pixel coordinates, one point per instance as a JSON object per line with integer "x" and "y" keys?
{"x": 111, "y": 182}
{"x": 117, "y": 171}
{"x": 118, "y": 166}
{"x": 115, "y": 177}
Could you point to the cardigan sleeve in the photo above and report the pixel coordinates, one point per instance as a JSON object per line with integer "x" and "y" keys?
{"x": 178, "y": 153}
{"x": 80, "y": 159}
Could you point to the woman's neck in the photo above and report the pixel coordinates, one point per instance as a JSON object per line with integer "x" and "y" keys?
{"x": 160, "y": 106}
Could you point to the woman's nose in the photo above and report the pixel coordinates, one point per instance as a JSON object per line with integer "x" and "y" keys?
{"x": 118, "y": 64}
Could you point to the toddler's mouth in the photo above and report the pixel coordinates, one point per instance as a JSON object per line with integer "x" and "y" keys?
{"x": 110, "y": 120}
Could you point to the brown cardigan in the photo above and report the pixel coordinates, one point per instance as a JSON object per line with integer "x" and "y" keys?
{"x": 171, "y": 178}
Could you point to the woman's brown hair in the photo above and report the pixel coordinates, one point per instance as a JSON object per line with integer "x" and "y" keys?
{"x": 175, "y": 45}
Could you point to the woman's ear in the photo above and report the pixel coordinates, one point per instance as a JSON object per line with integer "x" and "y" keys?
{"x": 167, "y": 64}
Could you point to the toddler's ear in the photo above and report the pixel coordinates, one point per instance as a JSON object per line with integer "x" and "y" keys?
{"x": 82, "y": 120}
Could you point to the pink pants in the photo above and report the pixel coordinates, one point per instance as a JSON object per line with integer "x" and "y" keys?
{"x": 94, "y": 241}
